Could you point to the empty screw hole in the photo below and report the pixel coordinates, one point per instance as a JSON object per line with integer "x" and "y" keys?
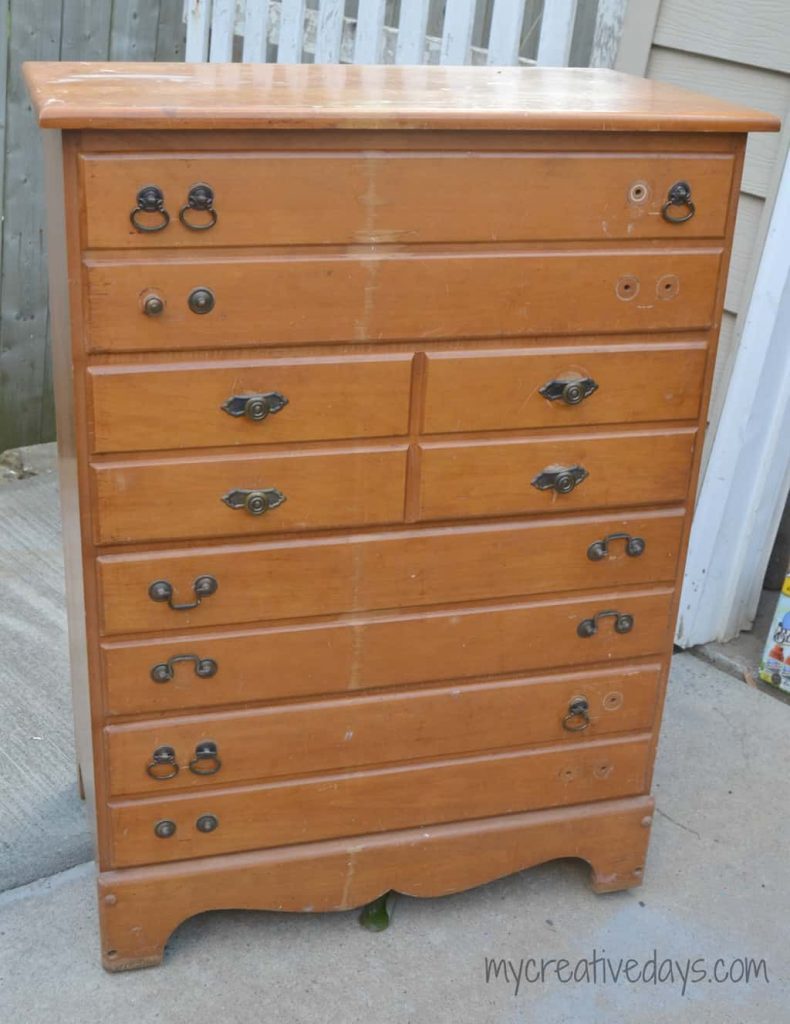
{"x": 112, "y": 953}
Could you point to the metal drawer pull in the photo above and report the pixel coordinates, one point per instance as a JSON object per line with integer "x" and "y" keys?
{"x": 162, "y": 765}
{"x": 201, "y": 300}
{"x": 165, "y": 829}
{"x": 205, "y": 752}
{"x": 162, "y": 590}
{"x": 679, "y": 195}
{"x": 255, "y": 407}
{"x": 207, "y": 823}
{"x": 201, "y": 198}
{"x": 562, "y": 479}
{"x": 205, "y": 668}
{"x": 622, "y": 623}
{"x": 154, "y": 305}
{"x": 255, "y": 502}
{"x": 150, "y": 199}
{"x": 571, "y": 390}
{"x": 634, "y": 546}
{"x": 578, "y": 717}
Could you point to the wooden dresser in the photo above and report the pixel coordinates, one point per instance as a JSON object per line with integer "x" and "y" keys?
{"x": 381, "y": 395}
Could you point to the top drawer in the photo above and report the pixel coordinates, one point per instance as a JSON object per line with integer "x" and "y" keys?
{"x": 314, "y": 198}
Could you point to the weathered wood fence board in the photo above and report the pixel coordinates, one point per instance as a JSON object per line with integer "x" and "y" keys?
{"x": 50, "y": 30}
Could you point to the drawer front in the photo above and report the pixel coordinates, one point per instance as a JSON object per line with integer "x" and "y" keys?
{"x": 489, "y": 478}
{"x": 183, "y": 498}
{"x": 416, "y": 568}
{"x": 562, "y": 387}
{"x": 380, "y": 729}
{"x": 331, "y": 658}
{"x": 213, "y": 404}
{"x": 402, "y": 197}
{"x": 378, "y": 800}
{"x": 266, "y": 300}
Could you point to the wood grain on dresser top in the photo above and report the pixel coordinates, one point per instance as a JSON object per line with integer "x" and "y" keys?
{"x": 177, "y": 96}
{"x": 315, "y": 634}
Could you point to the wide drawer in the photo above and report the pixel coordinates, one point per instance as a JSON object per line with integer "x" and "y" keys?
{"x": 545, "y": 387}
{"x": 213, "y": 496}
{"x": 296, "y": 299}
{"x": 240, "y": 402}
{"x": 277, "y": 580}
{"x": 402, "y": 197}
{"x": 489, "y": 478}
{"x": 380, "y": 728}
{"x": 378, "y": 800}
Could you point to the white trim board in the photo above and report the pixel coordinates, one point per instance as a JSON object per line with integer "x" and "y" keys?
{"x": 748, "y": 473}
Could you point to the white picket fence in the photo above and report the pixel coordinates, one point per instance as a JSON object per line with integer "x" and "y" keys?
{"x": 401, "y": 31}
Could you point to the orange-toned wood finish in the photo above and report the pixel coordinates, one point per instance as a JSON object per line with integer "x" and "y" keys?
{"x": 390, "y": 197}
{"x": 172, "y": 405}
{"x": 419, "y": 670}
{"x": 270, "y": 299}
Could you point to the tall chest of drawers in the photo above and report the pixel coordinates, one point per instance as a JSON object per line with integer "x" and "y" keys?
{"x": 380, "y": 396}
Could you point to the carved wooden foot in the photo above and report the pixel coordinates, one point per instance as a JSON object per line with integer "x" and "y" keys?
{"x": 140, "y": 907}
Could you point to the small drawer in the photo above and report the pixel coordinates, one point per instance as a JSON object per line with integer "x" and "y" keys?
{"x": 214, "y": 821}
{"x": 254, "y": 300}
{"x": 580, "y": 471}
{"x": 235, "y": 495}
{"x": 246, "y": 402}
{"x": 414, "y": 568}
{"x": 376, "y": 729}
{"x": 562, "y": 387}
{"x": 401, "y": 197}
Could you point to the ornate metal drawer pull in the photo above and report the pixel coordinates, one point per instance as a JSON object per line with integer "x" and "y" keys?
{"x": 562, "y": 479}
{"x": 150, "y": 199}
{"x": 206, "y": 760}
{"x": 255, "y": 502}
{"x": 622, "y": 623}
{"x": 571, "y": 390}
{"x": 162, "y": 590}
{"x": 162, "y": 765}
{"x": 200, "y": 197}
{"x": 634, "y": 546}
{"x": 578, "y": 717}
{"x": 679, "y": 195}
{"x": 205, "y": 668}
{"x": 255, "y": 407}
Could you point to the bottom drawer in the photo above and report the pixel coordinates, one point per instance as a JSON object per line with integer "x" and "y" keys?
{"x": 383, "y": 728}
{"x": 345, "y": 804}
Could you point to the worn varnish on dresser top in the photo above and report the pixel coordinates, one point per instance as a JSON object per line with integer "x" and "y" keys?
{"x": 380, "y": 396}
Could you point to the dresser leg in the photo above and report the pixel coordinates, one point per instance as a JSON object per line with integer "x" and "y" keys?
{"x": 615, "y": 868}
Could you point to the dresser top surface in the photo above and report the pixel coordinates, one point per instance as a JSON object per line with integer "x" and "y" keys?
{"x": 76, "y": 95}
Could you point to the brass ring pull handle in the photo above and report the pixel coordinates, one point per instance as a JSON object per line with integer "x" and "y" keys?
{"x": 206, "y": 760}
{"x": 162, "y": 590}
{"x": 578, "y": 717}
{"x": 162, "y": 765}
{"x": 205, "y": 668}
{"x": 599, "y": 549}
{"x": 254, "y": 407}
{"x": 201, "y": 198}
{"x": 571, "y": 390}
{"x": 622, "y": 623}
{"x": 254, "y": 502}
{"x": 562, "y": 479}
{"x": 679, "y": 195}
{"x": 150, "y": 199}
